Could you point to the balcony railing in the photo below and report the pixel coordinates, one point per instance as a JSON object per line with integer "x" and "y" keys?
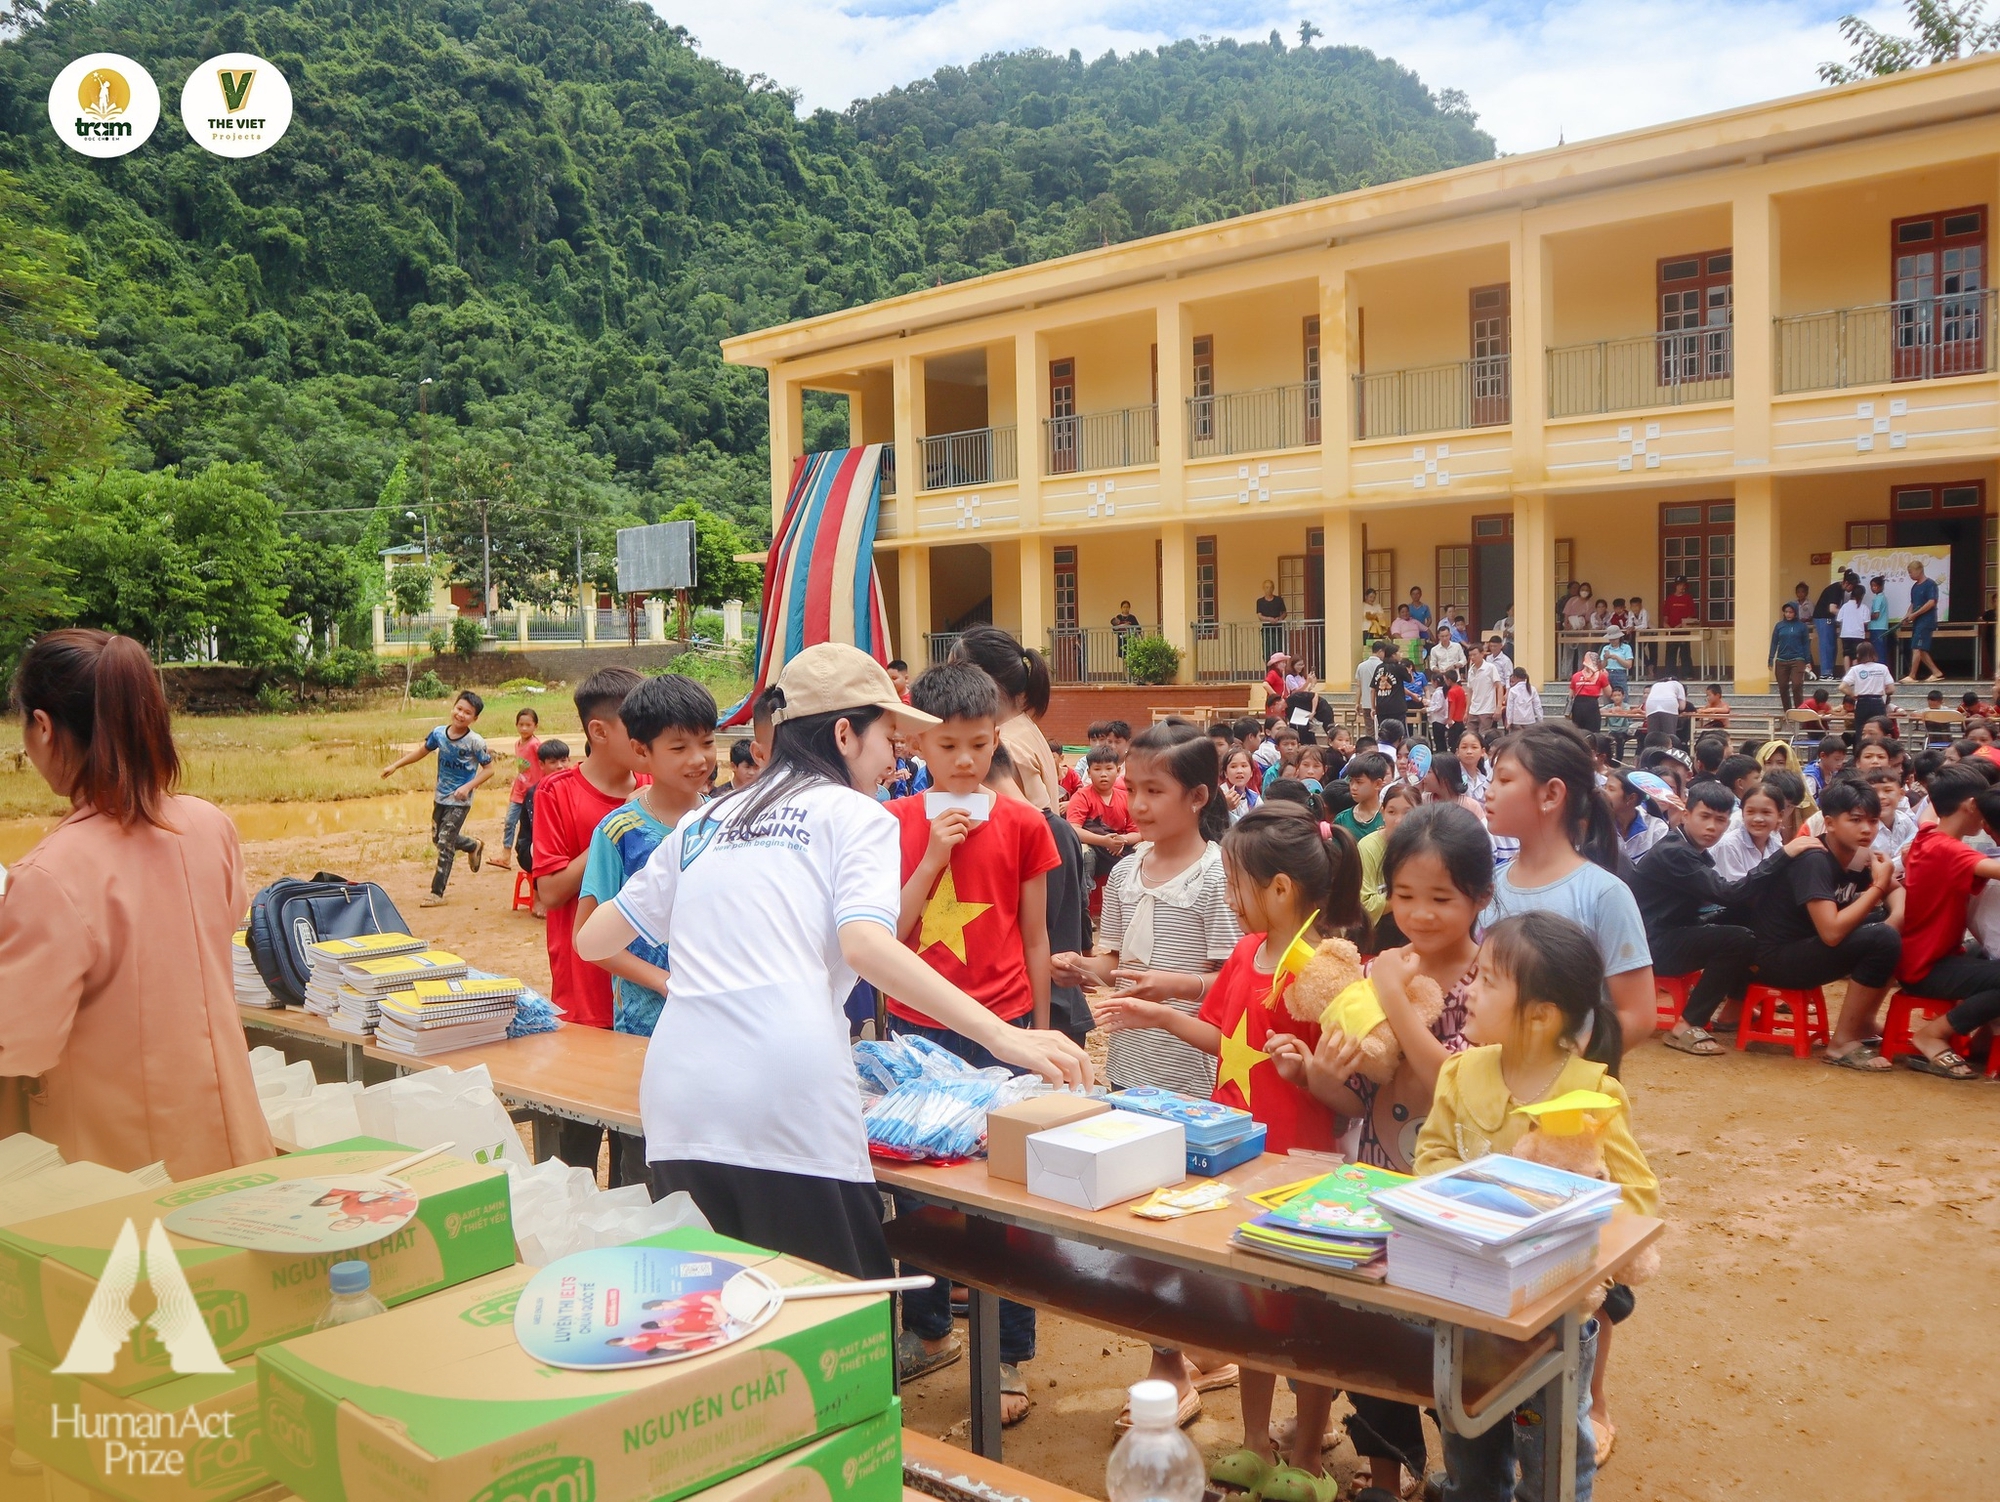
{"x": 1434, "y": 398}
{"x": 978, "y": 456}
{"x": 1248, "y": 422}
{"x": 1650, "y": 370}
{"x": 1238, "y": 651}
{"x": 1090, "y": 654}
{"x": 1918, "y": 340}
{"x": 888, "y": 469}
{"x": 1101, "y": 440}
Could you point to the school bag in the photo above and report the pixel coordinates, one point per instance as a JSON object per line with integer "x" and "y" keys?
{"x": 290, "y": 914}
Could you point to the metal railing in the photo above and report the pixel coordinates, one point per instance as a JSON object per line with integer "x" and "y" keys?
{"x": 978, "y": 456}
{"x": 1239, "y": 651}
{"x": 1434, "y": 398}
{"x": 1648, "y": 370}
{"x": 1091, "y": 654}
{"x": 1917, "y": 340}
{"x": 888, "y": 469}
{"x": 1248, "y": 422}
{"x": 1101, "y": 440}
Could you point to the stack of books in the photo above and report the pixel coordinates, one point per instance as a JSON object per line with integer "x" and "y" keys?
{"x": 1496, "y": 1234}
{"x": 1219, "y": 1137}
{"x": 365, "y": 982}
{"x": 1329, "y": 1222}
{"x": 330, "y": 958}
{"x": 250, "y": 988}
{"x": 23, "y": 1156}
{"x": 437, "y": 1016}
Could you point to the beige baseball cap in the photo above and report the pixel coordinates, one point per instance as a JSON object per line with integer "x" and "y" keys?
{"x": 834, "y": 676}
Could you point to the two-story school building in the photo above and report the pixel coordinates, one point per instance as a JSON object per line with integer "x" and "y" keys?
{"x": 1726, "y": 349}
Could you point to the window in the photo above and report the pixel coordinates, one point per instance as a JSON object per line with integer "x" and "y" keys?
{"x": 1939, "y": 312}
{"x": 1565, "y": 564}
{"x": 1062, "y": 417}
{"x": 1867, "y": 535}
{"x": 1312, "y": 378}
{"x": 1695, "y": 316}
{"x": 1204, "y": 580}
{"x": 1203, "y": 388}
{"x": 1492, "y": 342}
{"x": 1065, "y": 589}
{"x": 1698, "y": 543}
{"x": 1454, "y": 582}
{"x": 1378, "y": 572}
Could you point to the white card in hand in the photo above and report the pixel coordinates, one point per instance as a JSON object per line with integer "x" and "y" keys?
{"x": 1302, "y": 717}
{"x": 976, "y": 805}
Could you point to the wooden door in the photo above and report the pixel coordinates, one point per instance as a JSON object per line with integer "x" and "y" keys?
{"x": 1698, "y": 543}
{"x": 1202, "y": 388}
{"x": 1312, "y": 379}
{"x": 1696, "y": 309}
{"x": 1938, "y": 318}
{"x": 1063, "y": 424}
{"x": 1454, "y": 583}
{"x": 1491, "y": 374}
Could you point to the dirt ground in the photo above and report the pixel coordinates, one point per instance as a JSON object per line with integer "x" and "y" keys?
{"x": 1826, "y": 1323}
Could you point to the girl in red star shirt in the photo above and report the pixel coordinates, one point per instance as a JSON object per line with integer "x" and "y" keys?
{"x": 1281, "y": 872}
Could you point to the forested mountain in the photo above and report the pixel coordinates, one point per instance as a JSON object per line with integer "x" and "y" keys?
{"x": 554, "y": 209}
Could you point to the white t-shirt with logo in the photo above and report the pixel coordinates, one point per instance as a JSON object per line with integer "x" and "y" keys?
{"x": 1869, "y": 678}
{"x": 750, "y": 1064}
{"x": 1666, "y": 696}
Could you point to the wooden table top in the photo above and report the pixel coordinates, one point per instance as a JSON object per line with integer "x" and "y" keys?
{"x": 1202, "y": 1241}
{"x": 935, "y": 1454}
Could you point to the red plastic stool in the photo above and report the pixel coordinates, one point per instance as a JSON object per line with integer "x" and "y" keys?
{"x": 1801, "y": 1029}
{"x": 1671, "y": 996}
{"x": 1896, "y": 1029}
{"x": 524, "y": 891}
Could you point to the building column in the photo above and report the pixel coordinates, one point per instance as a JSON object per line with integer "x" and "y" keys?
{"x": 1754, "y": 235}
{"x": 1176, "y": 570}
{"x": 857, "y": 424}
{"x": 1173, "y": 329}
{"x": 1760, "y": 590}
{"x": 787, "y": 437}
{"x": 1336, "y": 406}
{"x": 908, "y": 375}
{"x": 1528, "y": 299}
{"x": 913, "y": 595}
{"x": 379, "y": 623}
{"x": 586, "y": 605}
{"x": 656, "y": 618}
{"x": 1345, "y": 547}
{"x": 1534, "y": 588}
{"x": 1031, "y": 357}
{"x": 1037, "y": 588}
{"x": 521, "y": 609}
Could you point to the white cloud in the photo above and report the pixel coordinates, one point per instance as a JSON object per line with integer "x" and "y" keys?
{"x": 1578, "y": 67}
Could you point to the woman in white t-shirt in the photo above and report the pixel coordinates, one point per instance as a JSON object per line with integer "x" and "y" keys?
{"x": 772, "y": 901}
{"x": 1853, "y": 617}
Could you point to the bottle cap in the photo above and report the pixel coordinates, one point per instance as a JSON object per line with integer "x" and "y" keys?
{"x": 352, "y": 1277}
{"x": 1154, "y": 1402}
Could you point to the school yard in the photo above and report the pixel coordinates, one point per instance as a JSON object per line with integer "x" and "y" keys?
{"x": 1827, "y": 1317}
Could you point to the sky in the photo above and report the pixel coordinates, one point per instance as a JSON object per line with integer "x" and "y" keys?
{"x": 1534, "y": 71}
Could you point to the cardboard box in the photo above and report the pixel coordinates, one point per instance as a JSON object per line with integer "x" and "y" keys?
{"x": 438, "y": 1400}
{"x": 1107, "y": 1159}
{"x": 861, "y": 1464}
{"x": 49, "y": 1267}
{"x": 1009, "y": 1127}
{"x": 192, "y": 1439}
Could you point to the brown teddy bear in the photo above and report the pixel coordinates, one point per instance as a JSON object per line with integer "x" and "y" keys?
{"x": 1330, "y": 989}
{"x": 1568, "y": 1133}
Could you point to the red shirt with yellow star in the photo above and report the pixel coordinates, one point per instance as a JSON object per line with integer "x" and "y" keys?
{"x": 1245, "y": 1076}
{"x": 970, "y": 932}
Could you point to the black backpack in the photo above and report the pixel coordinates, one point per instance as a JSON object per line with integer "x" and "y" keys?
{"x": 289, "y": 915}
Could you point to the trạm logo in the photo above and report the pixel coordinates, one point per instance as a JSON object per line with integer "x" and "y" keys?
{"x": 236, "y": 105}
{"x": 104, "y": 105}
{"x": 560, "y": 1478}
{"x": 497, "y": 1310}
{"x": 176, "y": 1317}
{"x": 195, "y": 1193}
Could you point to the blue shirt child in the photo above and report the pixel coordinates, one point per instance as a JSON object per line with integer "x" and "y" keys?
{"x": 620, "y": 846}
{"x": 459, "y": 760}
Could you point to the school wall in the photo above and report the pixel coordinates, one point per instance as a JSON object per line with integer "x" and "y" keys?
{"x": 1419, "y": 312}
{"x": 1114, "y": 566}
{"x": 1259, "y": 336}
{"x": 1834, "y": 246}
{"x": 1246, "y": 555}
{"x": 1603, "y": 281}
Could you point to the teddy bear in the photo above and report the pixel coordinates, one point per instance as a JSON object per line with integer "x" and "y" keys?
{"x": 1330, "y": 989}
{"x": 1568, "y": 1133}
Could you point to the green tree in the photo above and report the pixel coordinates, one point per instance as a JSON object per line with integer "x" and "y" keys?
{"x": 411, "y": 586}
{"x": 1941, "y": 32}
{"x": 323, "y": 584}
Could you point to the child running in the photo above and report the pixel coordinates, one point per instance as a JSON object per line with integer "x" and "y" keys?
{"x": 527, "y": 742}
{"x": 464, "y": 765}
{"x": 1537, "y": 1027}
{"x": 1281, "y": 875}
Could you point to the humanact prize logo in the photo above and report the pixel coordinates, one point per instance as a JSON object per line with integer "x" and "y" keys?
{"x": 104, "y": 105}
{"x": 236, "y": 105}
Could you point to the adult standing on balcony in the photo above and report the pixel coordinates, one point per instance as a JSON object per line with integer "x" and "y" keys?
{"x": 1271, "y": 611}
{"x": 1125, "y": 624}
{"x": 1923, "y": 622}
{"x": 1023, "y": 680}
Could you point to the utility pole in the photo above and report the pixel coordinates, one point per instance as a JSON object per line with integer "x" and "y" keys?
{"x": 581, "y": 605}
{"x": 486, "y": 563}
{"x": 423, "y": 422}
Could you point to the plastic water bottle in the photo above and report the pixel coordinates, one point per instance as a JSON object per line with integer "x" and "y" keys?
{"x": 351, "y": 1299}
{"x": 1155, "y": 1461}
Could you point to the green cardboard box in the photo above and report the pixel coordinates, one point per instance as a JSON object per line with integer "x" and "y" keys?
{"x": 49, "y": 1267}
{"x": 438, "y": 1401}
{"x": 861, "y": 1464}
{"x": 191, "y": 1439}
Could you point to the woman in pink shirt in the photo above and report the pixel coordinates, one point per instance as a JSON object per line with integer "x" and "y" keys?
{"x": 117, "y": 997}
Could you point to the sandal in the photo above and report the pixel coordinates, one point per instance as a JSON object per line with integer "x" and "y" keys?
{"x": 1215, "y": 1381}
{"x": 1186, "y": 1414}
{"x": 1858, "y": 1056}
{"x": 1012, "y": 1383}
{"x": 1696, "y": 1040}
{"x": 1287, "y": 1483}
{"x": 1605, "y": 1434}
{"x": 913, "y": 1361}
{"x": 1948, "y": 1065}
{"x": 1240, "y": 1471}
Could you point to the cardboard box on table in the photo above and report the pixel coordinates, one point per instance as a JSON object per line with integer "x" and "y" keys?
{"x": 1098, "y": 1163}
{"x": 190, "y": 1439}
{"x": 438, "y": 1400}
{"x": 49, "y": 1267}
{"x": 1008, "y": 1129}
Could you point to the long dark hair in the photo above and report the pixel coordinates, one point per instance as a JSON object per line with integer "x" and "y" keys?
{"x": 1190, "y": 758}
{"x": 1455, "y": 836}
{"x": 102, "y": 694}
{"x": 1019, "y": 671}
{"x": 1553, "y": 751}
{"x": 1555, "y": 959}
{"x": 1282, "y": 837}
{"x": 804, "y": 753}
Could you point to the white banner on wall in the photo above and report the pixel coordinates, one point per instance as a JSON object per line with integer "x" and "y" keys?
{"x": 1893, "y": 564}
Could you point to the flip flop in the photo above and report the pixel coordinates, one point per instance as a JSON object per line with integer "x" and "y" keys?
{"x": 1287, "y": 1483}
{"x": 1605, "y": 1433}
{"x": 913, "y": 1361}
{"x": 1215, "y": 1381}
{"x": 1692, "y": 1042}
{"x": 1860, "y": 1058}
{"x": 1187, "y": 1413}
{"x": 1946, "y": 1066}
{"x": 1012, "y": 1382}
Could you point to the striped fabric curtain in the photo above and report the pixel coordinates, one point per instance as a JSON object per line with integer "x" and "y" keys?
{"x": 820, "y": 582}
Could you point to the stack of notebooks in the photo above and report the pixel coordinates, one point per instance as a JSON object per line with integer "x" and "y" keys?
{"x": 250, "y": 988}
{"x": 331, "y": 957}
{"x": 1497, "y": 1234}
{"x": 437, "y": 1016}
{"x": 1329, "y": 1222}
{"x": 1219, "y": 1137}
{"x": 363, "y": 984}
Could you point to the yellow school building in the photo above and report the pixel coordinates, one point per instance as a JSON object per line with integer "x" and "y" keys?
{"x": 1728, "y": 348}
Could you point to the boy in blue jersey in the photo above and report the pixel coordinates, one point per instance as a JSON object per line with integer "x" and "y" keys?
{"x": 670, "y": 721}
{"x": 464, "y": 764}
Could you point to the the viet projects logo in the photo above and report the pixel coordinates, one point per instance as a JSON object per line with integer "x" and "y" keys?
{"x": 234, "y": 105}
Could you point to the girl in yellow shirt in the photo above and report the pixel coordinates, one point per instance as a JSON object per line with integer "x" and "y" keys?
{"x": 1539, "y": 1026}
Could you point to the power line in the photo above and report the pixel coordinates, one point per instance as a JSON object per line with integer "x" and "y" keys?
{"x": 353, "y": 510}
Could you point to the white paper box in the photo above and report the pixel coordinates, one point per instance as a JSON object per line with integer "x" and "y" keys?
{"x": 1107, "y": 1159}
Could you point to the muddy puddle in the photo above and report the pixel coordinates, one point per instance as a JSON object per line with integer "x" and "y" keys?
{"x": 268, "y": 821}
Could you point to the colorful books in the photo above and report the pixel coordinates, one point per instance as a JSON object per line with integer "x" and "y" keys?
{"x": 1209, "y": 1124}
{"x": 377, "y": 977}
{"x": 1327, "y": 1222}
{"x": 1496, "y": 1201}
{"x": 363, "y": 947}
